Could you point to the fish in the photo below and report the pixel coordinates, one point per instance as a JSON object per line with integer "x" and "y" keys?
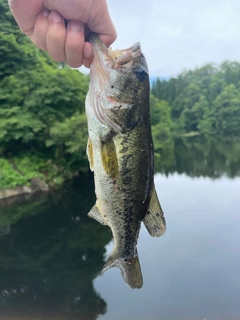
{"x": 121, "y": 154}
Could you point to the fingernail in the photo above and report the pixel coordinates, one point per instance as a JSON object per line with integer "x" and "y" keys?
{"x": 45, "y": 12}
{"x": 55, "y": 17}
{"x": 75, "y": 25}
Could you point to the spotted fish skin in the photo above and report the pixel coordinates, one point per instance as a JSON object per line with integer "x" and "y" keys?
{"x": 120, "y": 152}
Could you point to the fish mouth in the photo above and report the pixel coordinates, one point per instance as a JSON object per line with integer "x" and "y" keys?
{"x": 108, "y": 65}
{"x": 114, "y": 58}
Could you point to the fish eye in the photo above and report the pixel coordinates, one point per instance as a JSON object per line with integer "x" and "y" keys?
{"x": 141, "y": 73}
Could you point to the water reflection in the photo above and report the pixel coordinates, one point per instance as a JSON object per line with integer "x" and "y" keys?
{"x": 50, "y": 251}
{"x": 196, "y": 156}
{"x": 192, "y": 272}
{"x": 49, "y": 259}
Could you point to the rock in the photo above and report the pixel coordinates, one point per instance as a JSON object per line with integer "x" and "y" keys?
{"x": 35, "y": 196}
{"x": 39, "y": 185}
{"x": 36, "y": 185}
{"x": 7, "y": 193}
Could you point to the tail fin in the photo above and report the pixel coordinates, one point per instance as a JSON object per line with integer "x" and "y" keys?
{"x": 130, "y": 270}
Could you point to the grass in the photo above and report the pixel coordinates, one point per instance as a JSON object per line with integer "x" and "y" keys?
{"x": 20, "y": 170}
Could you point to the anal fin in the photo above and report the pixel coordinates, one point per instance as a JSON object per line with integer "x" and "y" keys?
{"x": 95, "y": 214}
{"x": 154, "y": 219}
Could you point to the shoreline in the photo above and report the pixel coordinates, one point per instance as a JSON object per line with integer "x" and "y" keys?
{"x": 35, "y": 186}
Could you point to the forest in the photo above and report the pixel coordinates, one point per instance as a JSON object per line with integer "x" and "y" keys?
{"x": 204, "y": 101}
{"x": 43, "y": 126}
{"x": 43, "y": 129}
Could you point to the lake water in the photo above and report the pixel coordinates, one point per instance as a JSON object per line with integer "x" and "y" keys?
{"x": 51, "y": 253}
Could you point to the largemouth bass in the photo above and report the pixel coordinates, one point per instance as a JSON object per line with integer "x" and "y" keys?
{"x": 120, "y": 152}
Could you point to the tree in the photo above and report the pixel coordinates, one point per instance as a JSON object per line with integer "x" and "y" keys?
{"x": 36, "y": 96}
{"x": 226, "y": 110}
{"x": 231, "y": 72}
{"x": 203, "y": 100}
{"x": 160, "y": 116}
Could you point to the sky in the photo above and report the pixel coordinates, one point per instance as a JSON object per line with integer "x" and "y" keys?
{"x": 178, "y": 35}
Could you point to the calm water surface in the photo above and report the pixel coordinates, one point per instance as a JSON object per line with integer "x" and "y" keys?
{"x": 51, "y": 253}
{"x": 193, "y": 271}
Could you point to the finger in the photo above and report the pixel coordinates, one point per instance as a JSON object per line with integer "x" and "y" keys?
{"x": 25, "y": 13}
{"x": 101, "y": 23}
{"x": 56, "y": 35}
{"x": 108, "y": 39}
{"x": 87, "y": 62}
{"x": 74, "y": 43}
{"x": 87, "y": 50}
{"x": 38, "y": 36}
{"x": 94, "y": 13}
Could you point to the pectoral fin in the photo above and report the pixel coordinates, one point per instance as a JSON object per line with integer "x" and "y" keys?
{"x": 95, "y": 214}
{"x": 109, "y": 157}
{"x": 154, "y": 219}
{"x": 90, "y": 154}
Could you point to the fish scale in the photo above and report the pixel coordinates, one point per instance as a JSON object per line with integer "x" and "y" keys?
{"x": 120, "y": 152}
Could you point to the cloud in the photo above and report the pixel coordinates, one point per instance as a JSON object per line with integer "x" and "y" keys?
{"x": 177, "y": 35}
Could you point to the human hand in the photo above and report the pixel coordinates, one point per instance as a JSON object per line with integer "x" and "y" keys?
{"x": 43, "y": 21}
